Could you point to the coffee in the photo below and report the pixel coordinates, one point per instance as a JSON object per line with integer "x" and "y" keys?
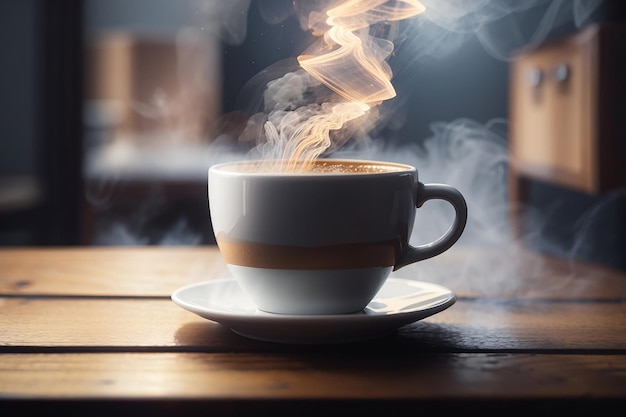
{"x": 321, "y": 166}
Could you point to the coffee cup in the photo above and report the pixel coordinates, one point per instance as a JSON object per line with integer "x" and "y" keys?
{"x": 321, "y": 240}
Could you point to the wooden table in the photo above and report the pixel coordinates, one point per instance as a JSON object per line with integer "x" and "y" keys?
{"x": 93, "y": 331}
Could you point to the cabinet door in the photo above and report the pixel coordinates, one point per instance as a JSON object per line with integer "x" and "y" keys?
{"x": 553, "y": 112}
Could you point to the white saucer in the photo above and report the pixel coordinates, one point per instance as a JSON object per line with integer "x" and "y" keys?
{"x": 399, "y": 302}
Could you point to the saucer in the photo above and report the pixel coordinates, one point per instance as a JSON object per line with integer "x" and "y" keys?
{"x": 399, "y": 302}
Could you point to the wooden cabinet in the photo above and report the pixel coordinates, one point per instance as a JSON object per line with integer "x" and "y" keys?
{"x": 568, "y": 112}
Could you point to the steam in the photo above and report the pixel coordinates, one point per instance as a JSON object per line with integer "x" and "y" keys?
{"x": 333, "y": 94}
{"x": 492, "y": 256}
{"x": 471, "y": 156}
{"x": 502, "y": 27}
{"x": 348, "y": 61}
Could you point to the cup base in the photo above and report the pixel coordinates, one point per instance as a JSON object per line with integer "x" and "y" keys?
{"x": 310, "y": 292}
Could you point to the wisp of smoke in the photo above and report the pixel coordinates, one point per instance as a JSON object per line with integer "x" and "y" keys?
{"x": 312, "y": 109}
{"x": 341, "y": 77}
{"x": 502, "y": 27}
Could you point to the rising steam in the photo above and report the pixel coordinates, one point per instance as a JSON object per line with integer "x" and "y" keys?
{"x": 346, "y": 59}
{"x": 335, "y": 92}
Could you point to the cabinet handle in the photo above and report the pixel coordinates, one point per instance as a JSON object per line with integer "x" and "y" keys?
{"x": 535, "y": 77}
{"x": 561, "y": 73}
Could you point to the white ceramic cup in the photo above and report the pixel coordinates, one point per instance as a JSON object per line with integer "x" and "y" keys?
{"x": 322, "y": 241}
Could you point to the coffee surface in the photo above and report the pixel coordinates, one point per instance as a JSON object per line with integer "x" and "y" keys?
{"x": 315, "y": 167}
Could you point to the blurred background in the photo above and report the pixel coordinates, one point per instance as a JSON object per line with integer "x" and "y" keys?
{"x": 111, "y": 111}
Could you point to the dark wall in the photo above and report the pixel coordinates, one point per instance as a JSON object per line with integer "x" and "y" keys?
{"x": 40, "y": 121}
{"x": 18, "y": 99}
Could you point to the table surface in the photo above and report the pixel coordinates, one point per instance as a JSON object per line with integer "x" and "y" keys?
{"x": 92, "y": 330}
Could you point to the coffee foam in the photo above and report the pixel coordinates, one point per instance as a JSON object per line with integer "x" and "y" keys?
{"x": 330, "y": 167}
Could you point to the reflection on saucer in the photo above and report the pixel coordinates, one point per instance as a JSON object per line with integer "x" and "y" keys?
{"x": 399, "y": 302}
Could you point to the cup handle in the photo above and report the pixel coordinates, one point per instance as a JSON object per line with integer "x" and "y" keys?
{"x": 450, "y": 194}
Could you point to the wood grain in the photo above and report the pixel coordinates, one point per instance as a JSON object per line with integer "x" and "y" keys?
{"x": 158, "y": 271}
{"x": 329, "y": 376}
{"x": 92, "y": 331}
{"x": 106, "y": 271}
{"x": 500, "y": 325}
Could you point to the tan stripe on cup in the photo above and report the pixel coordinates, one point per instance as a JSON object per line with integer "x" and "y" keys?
{"x": 343, "y": 256}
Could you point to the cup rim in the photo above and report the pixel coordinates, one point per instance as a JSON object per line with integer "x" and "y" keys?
{"x": 400, "y": 168}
